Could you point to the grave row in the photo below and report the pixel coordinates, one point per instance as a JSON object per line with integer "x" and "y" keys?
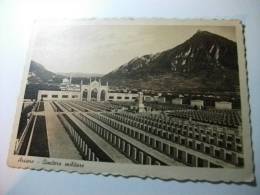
{"x": 199, "y": 144}
{"x": 77, "y": 106}
{"x": 220, "y": 153}
{"x": 88, "y": 106}
{"x": 131, "y": 151}
{"x": 65, "y": 106}
{"x": 164, "y": 107}
{"x": 88, "y": 150}
{"x": 222, "y": 118}
{"x": 165, "y": 146}
{"x": 104, "y": 105}
{"x": 193, "y": 130}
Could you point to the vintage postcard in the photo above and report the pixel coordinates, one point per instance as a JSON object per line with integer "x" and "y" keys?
{"x": 158, "y": 98}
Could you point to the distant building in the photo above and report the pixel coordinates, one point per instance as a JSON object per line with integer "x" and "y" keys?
{"x": 120, "y": 97}
{"x": 161, "y": 100}
{"x": 94, "y": 91}
{"x": 223, "y": 105}
{"x": 197, "y": 103}
{"x": 66, "y": 85}
{"x": 58, "y": 95}
{"x": 65, "y": 81}
{"x": 177, "y": 101}
{"x": 148, "y": 98}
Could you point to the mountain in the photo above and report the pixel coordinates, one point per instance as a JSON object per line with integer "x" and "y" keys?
{"x": 38, "y": 74}
{"x": 204, "y": 62}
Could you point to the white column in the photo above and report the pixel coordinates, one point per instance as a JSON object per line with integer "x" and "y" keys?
{"x": 89, "y": 94}
{"x": 98, "y": 95}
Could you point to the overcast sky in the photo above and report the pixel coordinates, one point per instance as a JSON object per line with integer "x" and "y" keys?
{"x": 103, "y": 48}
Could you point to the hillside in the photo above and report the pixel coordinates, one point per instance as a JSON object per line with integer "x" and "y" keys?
{"x": 39, "y": 74}
{"x": 205, "y": 62}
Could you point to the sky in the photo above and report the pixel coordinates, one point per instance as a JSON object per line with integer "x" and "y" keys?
{"x": 103, "y": 48}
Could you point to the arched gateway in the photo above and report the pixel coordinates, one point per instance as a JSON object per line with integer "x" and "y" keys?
{"x": 95, "y": 91}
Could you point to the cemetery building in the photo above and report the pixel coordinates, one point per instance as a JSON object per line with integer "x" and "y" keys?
{"x": 94, "y": 91}
{"x": 198, "y": 103}
{"x": 223, "y": 105}
{"x": 177, "y": 101}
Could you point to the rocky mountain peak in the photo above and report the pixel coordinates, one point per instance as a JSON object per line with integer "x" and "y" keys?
{"x": 204, "y": 55}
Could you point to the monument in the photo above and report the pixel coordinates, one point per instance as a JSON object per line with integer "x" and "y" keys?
{"x": 141, "y": 107}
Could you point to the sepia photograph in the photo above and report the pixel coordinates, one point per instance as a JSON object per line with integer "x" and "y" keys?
{"x": 149, "y": 95}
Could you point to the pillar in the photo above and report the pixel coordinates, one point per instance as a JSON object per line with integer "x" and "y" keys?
{"x": 86, "y": 150}
{"x": 89, "y": 94}
{"x": 194, "y": 161}
{"x": 118, "y": 142}
{"x": 134, "y": 153}
{"x": 128, "y": 149}
{"x": 141, "y": 157}
{"x": 93, "y": 156}
{"x": 148, "y": 160}
{"x": 83, "y": 147}
{"x": 89, "y": 154}
{"x": 123, "y": 145}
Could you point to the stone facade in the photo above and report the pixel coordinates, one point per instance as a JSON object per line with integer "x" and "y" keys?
{"x": 198, "y": 103}
{"x": 94, "y": 91}
{"x": 223, "y": 105}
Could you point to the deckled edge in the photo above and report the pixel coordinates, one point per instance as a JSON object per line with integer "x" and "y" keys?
{"x": 250, "y": 181}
